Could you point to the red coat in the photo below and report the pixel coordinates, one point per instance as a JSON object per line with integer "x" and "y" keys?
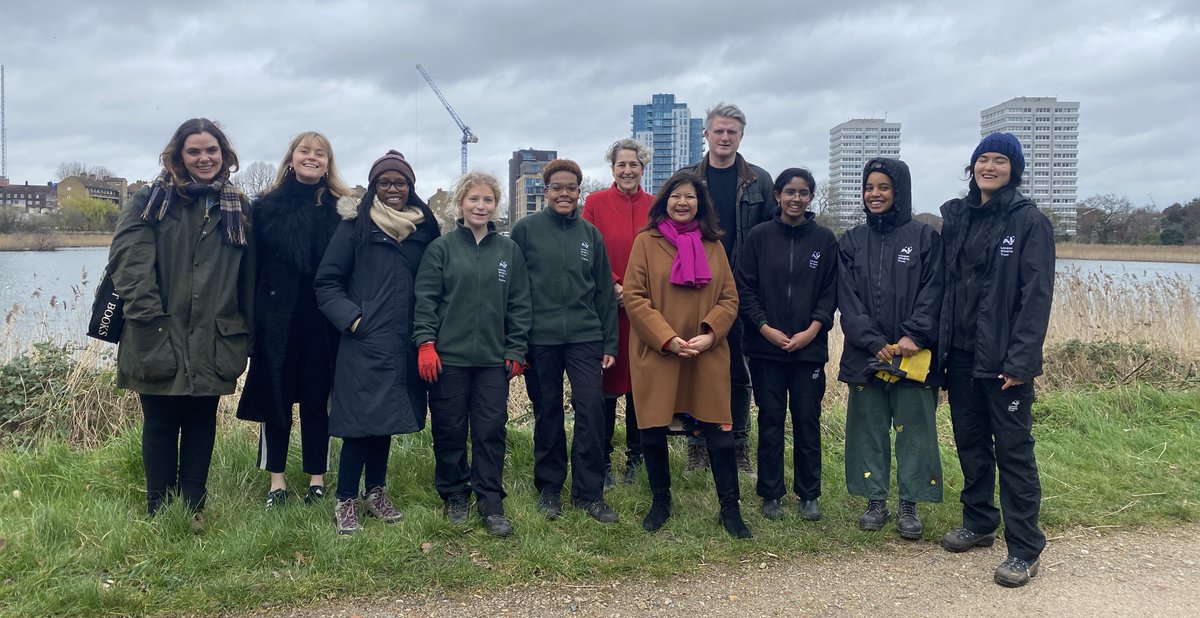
{"x": 619, "y": 217}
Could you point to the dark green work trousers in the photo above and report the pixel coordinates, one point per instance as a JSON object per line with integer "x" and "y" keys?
{"x": 871, "y": 414}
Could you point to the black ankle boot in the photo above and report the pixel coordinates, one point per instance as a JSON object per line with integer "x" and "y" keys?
{"x": 725, "y": 477}
{"x": 658, "y": 472}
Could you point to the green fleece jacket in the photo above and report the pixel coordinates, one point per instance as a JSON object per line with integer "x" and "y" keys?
{"x": 570, "y": 279}
{"x": 473, "y": 300}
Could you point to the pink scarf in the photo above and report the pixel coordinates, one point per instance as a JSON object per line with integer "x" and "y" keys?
{"x": 691, "y": 264}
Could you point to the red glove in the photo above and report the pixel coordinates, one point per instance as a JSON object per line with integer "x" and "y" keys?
{"x": 429, "y": 365}
{"x": 514, "y": 368}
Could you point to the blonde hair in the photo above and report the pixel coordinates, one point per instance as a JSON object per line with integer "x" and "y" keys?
{"x": 469, "y": 181}
{"x": 333, "y": 180}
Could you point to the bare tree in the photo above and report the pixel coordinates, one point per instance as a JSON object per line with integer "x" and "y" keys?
{"x": 67, "y": 169}
{"x": 254, "y": 179}
{"x": 1103, "y": 218}
{"x": 591, "y": 185}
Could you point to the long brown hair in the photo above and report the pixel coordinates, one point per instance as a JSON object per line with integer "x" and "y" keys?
{"x": 172, "y": 155}
{"x": 706, "y": 215}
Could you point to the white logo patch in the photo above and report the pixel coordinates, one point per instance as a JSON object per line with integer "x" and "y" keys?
{"x": 905, "y": 255}
{"x": 585, "y": 251}
{"x": 1006, "y": 247}
{"x": 815, "y": 260}
{"x": 502, "y": 271}
{"x": 1014, "y": 406}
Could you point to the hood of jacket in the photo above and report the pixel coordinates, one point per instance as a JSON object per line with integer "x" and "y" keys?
{"x": 901, "y": 211}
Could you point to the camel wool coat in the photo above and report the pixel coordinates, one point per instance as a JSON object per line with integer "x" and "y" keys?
{"x": 658, "y": 310}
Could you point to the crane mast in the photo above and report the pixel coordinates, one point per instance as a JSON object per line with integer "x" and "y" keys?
{"x": 467, "y": 136}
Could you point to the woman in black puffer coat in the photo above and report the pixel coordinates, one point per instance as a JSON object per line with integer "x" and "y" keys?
{"x": 294, "y": 345}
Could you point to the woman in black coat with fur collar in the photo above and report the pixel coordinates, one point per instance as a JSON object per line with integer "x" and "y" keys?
{"x": 294, "y": 345}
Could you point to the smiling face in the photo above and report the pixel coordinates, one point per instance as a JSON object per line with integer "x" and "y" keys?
{"x": 878, "y": 193}
{"x": 562, "y": 192}
{"x": 683, "y": 203}
{"x": 392, "y": 189}
{"x": 477, "y": 206}
{"x": 201, "y": 157}
{"x": 992, "y": 172}
{"x": 310, "y": 161}
{"x": 794, "y": 201}
{"x": 724, "y": 136}
{"x": 627, "y": 170}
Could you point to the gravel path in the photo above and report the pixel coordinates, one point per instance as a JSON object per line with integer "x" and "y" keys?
{"x": 1083, "y": 573}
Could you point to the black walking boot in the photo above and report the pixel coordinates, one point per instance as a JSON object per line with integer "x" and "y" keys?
{"x": 725, "y": 477}
{"x": 658, "y": 472}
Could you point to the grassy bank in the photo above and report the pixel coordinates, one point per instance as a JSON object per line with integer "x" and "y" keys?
{"x": 1128, "y": 253}
{"x": 49, "y": 241}
{"x": 76, "y": 540}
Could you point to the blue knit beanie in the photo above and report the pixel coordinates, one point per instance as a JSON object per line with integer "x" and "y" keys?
{"x": 1006, "y": 144}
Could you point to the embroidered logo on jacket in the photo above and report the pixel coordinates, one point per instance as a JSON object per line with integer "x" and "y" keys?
{"x": 585, "y": 251}
{"x": 815, "y": 260}
{"x": 1015, "y": 405}
{"x": 1006, "y": 246}
{"x": 502, "y": 271}
{"x": 905, "y": 255}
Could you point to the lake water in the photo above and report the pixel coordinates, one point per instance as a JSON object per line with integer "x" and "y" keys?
{"x": 48, "y": 294}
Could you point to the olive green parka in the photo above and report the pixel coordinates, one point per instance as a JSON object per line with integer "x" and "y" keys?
{"x": 188, "y": 299}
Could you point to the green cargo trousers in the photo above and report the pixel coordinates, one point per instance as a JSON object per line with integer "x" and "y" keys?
{"x": 871, "y": 413}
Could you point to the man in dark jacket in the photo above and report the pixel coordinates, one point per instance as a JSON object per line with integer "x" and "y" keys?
{"x": 743, "y": 196}
{"x": 787, "y": 285}
{"x": 890, "y": 294}
{"x": 999, "y": 256}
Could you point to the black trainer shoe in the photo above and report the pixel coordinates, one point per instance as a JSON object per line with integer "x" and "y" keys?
{"x": 772, "y": 509}
{"x": 550, "y": 504}
{"x": 600, "y": 511}
{"x": 315, "y": 494}
{"x": 741, "y": 453}
{"x": 876, "y": 515}
{"x": 1015, "y": 572}
{"x": 498, "y": 525}
{"x": 631, "y": 470}
{"x": 731, "y": 518}
{"x": 697, "y": 458}
{"x": 457, "y": 509}
{"x": 660, "y": 512}
{"x": 276, "y": 498}
{"x": 908, "y": 524}
{"x": 609, "y": 481}
{"x": 810, "y": 510}
{"x": 960, "y": 540}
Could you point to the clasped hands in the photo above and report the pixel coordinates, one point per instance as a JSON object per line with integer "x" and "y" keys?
{"x": 691, "y": 347}
{"x": 780, "y": 339}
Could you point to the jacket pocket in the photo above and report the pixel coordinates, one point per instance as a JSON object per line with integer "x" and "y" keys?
{"x": 232, "y": 345}
{"x": 147, "y": 354}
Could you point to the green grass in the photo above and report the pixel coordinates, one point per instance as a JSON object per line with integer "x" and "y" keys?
{"x": 77, "y": 542}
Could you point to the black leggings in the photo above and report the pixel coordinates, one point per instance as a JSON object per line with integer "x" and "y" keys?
{"x": 177, "y": 444}
{"x": 362, "y": 456}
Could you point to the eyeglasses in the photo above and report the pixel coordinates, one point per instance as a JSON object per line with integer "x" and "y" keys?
{"x": 388, "y": 185}
{"x": 560, "y": 188}
{"x": 794, "y": 192}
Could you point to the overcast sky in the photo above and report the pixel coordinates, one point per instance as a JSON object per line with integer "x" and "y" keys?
{"x": 106, "y": 83}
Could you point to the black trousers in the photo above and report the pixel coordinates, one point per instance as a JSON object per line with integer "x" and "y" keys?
{"x": 362, "y": 457}
{"x": 273, "y": 439}
{"x": 778, "y": 389}
{"x": 993, "y": 429}
{"x": 470, "y": 400}
{"x": 581, "y": 362}
{"x": 177, "y": 445}
{"x": 739, "y": 388}
{"x": 633, "y": 438}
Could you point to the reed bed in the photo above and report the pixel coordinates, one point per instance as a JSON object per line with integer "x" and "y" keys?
{"x": 1129, "y": 253}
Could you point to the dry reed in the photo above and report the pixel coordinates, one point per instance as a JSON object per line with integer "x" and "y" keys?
{"x": 1129, "y": 253}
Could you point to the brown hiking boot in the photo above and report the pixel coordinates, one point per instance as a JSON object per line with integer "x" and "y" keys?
{"x": 377, "y": 505}
{"x": 697, "y": 458}
{"x": 345, "y": 516}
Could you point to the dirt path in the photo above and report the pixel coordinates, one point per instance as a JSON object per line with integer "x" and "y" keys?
{"x": 1083, "y": 573}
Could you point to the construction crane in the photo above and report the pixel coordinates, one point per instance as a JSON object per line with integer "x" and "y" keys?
{"x": 467, "y": 136}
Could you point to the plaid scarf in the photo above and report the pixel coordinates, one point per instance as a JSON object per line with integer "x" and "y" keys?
{"x": 163, "y": 194}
